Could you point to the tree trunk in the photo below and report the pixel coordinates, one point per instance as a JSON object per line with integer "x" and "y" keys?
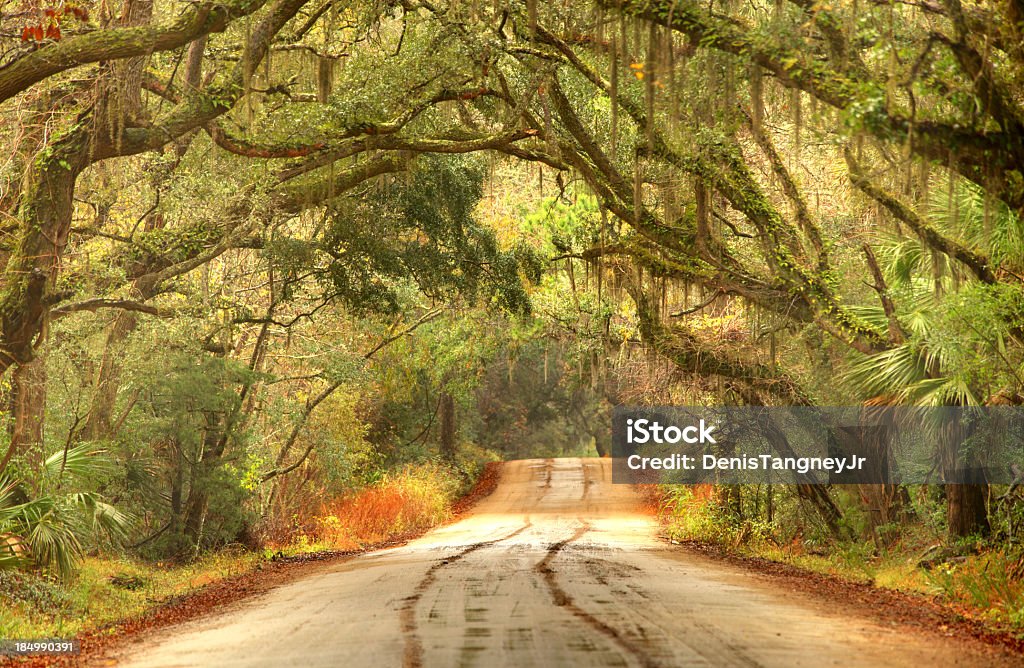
{"x": 108, "y": 379}
{"x": 886, "y": 505}
{"x": 966, "y": 513}
{"x": 199, "y": 494}
{"x": 44, "y": 213}
{"x": 28, "y": 410}
{"x": 128, "y": 72}
{"x": 447, "y": 410}
{"x": 730, "y": 499}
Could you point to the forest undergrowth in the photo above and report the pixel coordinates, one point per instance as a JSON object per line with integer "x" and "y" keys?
{"x": 112, "y": 587}
{"x": 979, "y": 578}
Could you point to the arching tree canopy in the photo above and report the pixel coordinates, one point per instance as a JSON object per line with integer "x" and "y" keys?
{"x": 222, "y": 220}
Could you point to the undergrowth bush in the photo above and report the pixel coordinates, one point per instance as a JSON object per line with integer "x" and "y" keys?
{"x": 695, "y": 513}
{"x": 989, "y": 581}
{"x": 43, "y": 593}
{"x": 417, "y": 498}
{"x": 982, "y": 576}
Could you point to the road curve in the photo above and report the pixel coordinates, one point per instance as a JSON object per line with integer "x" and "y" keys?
{"x": 557, "y": 567}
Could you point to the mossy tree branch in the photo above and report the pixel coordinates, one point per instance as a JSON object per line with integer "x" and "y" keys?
{"x": 718, "y": 163}
{"x": 991, "y": 158}
{"x": 976, "y": 262}
{"x": 110, "y": 44}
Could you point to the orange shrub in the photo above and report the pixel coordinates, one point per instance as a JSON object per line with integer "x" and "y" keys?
{"x": 410, "y": 502}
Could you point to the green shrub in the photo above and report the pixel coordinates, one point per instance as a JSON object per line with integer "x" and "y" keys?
{"x": 43, "y": 594}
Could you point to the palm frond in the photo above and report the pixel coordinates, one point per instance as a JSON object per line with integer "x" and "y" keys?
{"x": 943, "y": 391}
{"x": 889, "y": 372}
{"x": 7, "y": 503}
{"x": 50, "y": 528}
{"x": 83, "y": 459}
{"x": 54, "y": 544}
{"x": 988, "y": 226}
{"x": 10, "y": 559}
{"x": 102, "y": 516}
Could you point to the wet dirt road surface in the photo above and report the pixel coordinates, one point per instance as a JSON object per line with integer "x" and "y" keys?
{"x": 558, "y": 567}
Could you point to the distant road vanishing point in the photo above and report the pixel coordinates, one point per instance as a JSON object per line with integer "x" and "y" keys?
{"x": 558, "y": 567}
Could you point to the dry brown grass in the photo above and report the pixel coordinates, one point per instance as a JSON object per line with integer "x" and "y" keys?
{"x": 408, "y": 503}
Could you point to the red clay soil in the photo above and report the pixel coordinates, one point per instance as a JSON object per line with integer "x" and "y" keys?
{"x": 862, "y": 598}
{"x": 485, "y": 486}
{"x": 98, "y": 644}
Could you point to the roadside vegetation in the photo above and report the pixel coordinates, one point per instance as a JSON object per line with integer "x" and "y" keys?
{"x": 981, "y": 577}
{"x": 110, "y": 588}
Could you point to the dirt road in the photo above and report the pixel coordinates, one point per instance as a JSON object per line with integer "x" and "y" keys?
{"x": 556, "y": 568}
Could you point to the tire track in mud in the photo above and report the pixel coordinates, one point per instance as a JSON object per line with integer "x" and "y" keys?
{"x": 412, "y": 656}
{"x": 562, "y": 599}
{"x": 703, "y": 639}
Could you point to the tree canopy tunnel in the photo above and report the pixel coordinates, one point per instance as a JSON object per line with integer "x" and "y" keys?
{"x": 793, "y": 203}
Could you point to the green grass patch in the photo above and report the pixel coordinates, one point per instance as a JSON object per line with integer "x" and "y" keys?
{"x": 109, "y": 589}
{"x": 104, "y": 590}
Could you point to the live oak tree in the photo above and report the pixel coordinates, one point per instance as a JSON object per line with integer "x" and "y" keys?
{"x": 934, "y": 89}
{"x": 307, "y": 123}
{"x": 228, "y": 90}
{"x": 688, "y": 157}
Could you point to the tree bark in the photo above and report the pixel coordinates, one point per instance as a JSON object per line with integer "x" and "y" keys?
{"x": 44, "y": 214}
{"x": 966, "y": 513}
{"x": 731, "y": 500}
{"x": 108, "y": 378}
{"x": 28, "y": 412}
{"x": 196, "y": 20}
{"x": 447, "y": 411}
{"x": 966, "y": 488}
{"x": 199, "y": 494}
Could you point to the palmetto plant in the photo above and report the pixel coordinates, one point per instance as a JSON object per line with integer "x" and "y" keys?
{"x": 964, "y": 213}
{"x": 48, "y": 531}
{"x": 920, "y": 371}
{"x": 958, "y": 348}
